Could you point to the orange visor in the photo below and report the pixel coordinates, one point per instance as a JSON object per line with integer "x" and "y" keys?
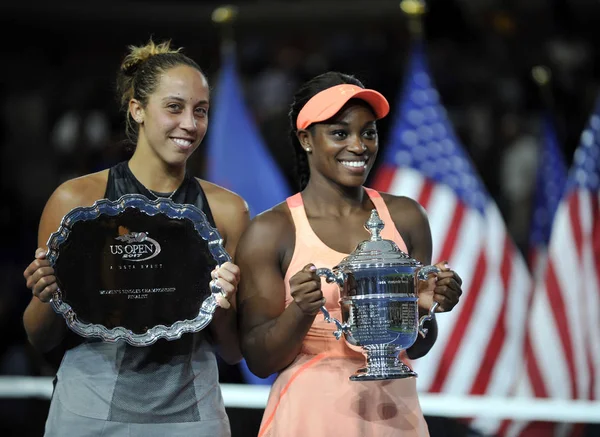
{"x": 324, "y": 105}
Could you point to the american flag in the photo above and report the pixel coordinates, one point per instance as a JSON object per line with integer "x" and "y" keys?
{"x": 551, "y": 180}
{"x": 564, "y": 325}
{"x": 550, "y": 183}
{"x": 479, "y": 346}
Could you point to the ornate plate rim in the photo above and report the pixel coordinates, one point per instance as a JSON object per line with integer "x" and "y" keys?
{"x": 151, "y": 207}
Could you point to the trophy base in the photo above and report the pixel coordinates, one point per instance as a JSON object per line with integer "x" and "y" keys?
{"x": 401, "y": 371}
{"x": 383, "y": 362}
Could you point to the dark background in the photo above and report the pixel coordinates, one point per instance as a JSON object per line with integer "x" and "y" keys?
{"x": 59, "y": 115}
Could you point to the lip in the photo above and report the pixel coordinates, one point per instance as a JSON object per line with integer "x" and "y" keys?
{"x": 178, "y": 142}
{"x": 355, "y": 170}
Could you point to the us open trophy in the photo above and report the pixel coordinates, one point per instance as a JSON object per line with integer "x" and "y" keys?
{"x": 378, "y": 297}
{"x": 135, "y": 270}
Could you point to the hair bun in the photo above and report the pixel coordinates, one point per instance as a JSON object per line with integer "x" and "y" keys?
{"x": 138, "y": 55}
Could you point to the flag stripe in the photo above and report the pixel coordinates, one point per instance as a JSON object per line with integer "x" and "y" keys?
{"x": 385, "y": 176}
{"x": 425, "y": 195}
{"x": 533, "y": 370}
{"x": 594, "y": 305}
{"x": 461, "y": 325}
{"x": 557, "y": 304}
{"x": 576, "y": 224}
{"x": 450, "y": 241}
{"x": 499, "y": 333}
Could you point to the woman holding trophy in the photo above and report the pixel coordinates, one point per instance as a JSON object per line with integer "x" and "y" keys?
{"x": 169, "y": 387}
{"x": 333, "y": 131}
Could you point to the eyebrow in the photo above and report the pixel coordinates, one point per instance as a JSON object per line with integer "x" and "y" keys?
{"x": 179, "y": 99}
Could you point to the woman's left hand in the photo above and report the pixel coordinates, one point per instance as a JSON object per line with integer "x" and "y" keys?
{"x": 444, "y": 288}
{"x": 227, "y": 277}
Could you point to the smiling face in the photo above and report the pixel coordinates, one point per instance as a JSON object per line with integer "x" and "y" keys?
{"x": 175, "y": 119}
{"x": 343, "y": 148}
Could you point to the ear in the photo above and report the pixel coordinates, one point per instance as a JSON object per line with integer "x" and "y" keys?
{"x": 304, "y": 138}
{"x": 136, "y": 110}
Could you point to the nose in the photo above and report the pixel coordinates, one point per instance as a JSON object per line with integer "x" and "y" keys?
{"x": 357, "y": 145}
{"x": 188, "y": 121}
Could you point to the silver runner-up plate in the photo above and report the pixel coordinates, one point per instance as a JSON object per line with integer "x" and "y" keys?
{"x": 135, "y": 270}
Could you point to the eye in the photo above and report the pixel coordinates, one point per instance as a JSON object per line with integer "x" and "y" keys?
{"x": 202, "y": 112}
{"x": 339, "y": 134}
{"x": 370, "y": 134}
{"x": 174, "y": 107}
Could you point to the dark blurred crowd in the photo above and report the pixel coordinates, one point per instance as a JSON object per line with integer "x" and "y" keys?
{"x": 59, "y": 116}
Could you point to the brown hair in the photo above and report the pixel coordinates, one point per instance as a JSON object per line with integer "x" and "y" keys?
{"x": 139, "y": 76}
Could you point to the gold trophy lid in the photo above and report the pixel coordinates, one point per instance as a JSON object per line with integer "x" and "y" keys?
{"x": 377, "y": 251}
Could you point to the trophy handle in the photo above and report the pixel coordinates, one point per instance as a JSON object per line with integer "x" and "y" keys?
{"x": 331, "y": 277}
{"x": 423, "y": 275}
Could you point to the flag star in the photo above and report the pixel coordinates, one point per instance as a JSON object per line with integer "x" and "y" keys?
{"x": 433, "y": 96}
{"x": 448, "y": 146}
{"x": 410, "y": 138}
{"x": 422, "y": 79}
{"x": 415, "y": 117}
{"x": 587, "y": 137}
{"x": 593, "y": 181}
{"x": 419, "y": 97}
{"x": 425, "y": 133}
{"x": 439, "y": 130}
{"x": 420, "y": 153}
{"x": 431, "y": 114}
{"x": 429, "y": 168}
{"x": 443, "y": 165}
{"x": 403, "y": 158}
{"x": 435, "y": 147}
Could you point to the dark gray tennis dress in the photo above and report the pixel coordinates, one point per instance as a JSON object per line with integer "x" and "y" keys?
{"x": 169, "y": 389}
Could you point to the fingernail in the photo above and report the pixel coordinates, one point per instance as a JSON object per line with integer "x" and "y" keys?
{"x": 312, "y": 268}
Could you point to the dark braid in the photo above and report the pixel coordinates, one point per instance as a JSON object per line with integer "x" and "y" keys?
{"x": 302, "y": 96}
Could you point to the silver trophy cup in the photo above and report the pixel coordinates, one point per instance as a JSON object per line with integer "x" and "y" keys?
{"x": 378, "y": 297}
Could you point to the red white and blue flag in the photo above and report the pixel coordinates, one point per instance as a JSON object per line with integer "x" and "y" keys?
{"x": 480, "y": 342}
{"x": 563, "y": 340}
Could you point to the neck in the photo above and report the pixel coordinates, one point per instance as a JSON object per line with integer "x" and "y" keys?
{"x": 154, "y": 173}
{"x": 324, "y": 197}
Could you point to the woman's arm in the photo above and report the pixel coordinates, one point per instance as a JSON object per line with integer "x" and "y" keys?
{"x": 45, "y": 328}
{"x": 271, "y": 334}
{"x": 232, "y": 217}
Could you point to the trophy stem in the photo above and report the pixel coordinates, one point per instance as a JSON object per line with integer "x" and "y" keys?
{"x": 382, "y": 363}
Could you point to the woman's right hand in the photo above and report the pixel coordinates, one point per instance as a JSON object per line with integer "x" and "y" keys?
{"x": 39, "y": 276}
{"x": 305, "y": 288}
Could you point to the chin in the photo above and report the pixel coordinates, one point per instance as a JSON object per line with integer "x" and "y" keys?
{"x": 176, "y": 161}
{"x": 353, "y": 183}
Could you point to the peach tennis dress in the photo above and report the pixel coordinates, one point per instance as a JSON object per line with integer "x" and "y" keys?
{"x": 313, "y": 396}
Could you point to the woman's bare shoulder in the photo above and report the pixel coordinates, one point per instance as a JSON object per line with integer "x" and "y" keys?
{"x": 404, "y": 209}
{"x": 273, "y": 228}
{"x": 222, "y": 199}
{"x": 81, "y": 191}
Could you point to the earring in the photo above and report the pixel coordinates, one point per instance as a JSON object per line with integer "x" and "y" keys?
{"x": 308, "y": 150}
